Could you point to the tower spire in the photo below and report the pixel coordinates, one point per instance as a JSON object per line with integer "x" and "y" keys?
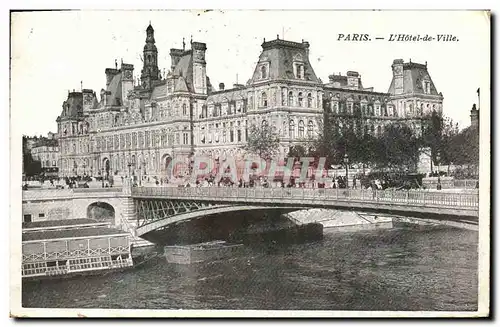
{"x": 150, "y": 71}
{"x": 183, "y": 44}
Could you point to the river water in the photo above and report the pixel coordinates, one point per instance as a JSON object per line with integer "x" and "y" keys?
{"x": 407, "y": 268}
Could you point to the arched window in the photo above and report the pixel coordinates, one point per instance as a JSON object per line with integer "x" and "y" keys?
{"x": 372, "y": 129}
{"x": 379, "y": 131}
{"x": 310, "y": 128}
{"x": 301, "y": 129}
{"x": 291, "y": 129}
{"x": 301, "y": 100}
{"x": 309, "y": 100}
{"x": 366, "y": 129}
{"x": 290, "y": 98}
{"x": 264, "y": 123}
{"x": 263, "y": 71}
{"x": 184, "y": 109}
{"x": 264, "y": 99}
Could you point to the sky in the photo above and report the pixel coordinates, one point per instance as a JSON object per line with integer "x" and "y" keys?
{"x": 53, "y": 52}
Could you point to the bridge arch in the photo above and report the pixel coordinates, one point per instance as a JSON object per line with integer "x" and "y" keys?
{"x": 101, "y": 211}
{"x": 203, "y": 212}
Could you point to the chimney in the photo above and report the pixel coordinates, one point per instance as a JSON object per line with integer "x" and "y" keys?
{"x": 221, "y": 86}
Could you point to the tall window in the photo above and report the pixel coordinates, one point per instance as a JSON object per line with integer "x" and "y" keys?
{"x": 301, "y": 100}
{"x": 309, "y": 100}
{"x": 310, "y": 128}
{"x": 301, "y": 129}
{"x": 427, "y": 87}
{"x": 291, "y": 129}
{"x": 349, "y": 107}
{"x": 184, "y": 109}
{"x": 238, "y": 132}
{"x": 231, "y": 136}
{"x": 290, "y": 98}
{"x": 372, "y": 129}
{"x": 379, "y": 131}
{"x": 299, "y": 71}
{"x": 264, "y": 99}
{"x": 263, "y": 71}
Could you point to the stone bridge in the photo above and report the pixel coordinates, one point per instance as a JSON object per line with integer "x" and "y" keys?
{"x": 52, "y": 204}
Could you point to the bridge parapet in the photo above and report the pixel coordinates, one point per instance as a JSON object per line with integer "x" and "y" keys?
{"x": 414, "y": 198}
{"x": 41, "y": 195}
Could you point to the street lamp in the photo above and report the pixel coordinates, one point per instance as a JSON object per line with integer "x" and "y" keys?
{"x": 346, "y": 162}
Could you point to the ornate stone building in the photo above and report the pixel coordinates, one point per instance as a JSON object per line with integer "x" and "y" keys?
{"x": 46, "y": 150}
{"x": 136, "y": 128}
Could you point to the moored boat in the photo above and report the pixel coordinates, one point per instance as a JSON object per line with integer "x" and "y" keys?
{"x": 56, "y": 252}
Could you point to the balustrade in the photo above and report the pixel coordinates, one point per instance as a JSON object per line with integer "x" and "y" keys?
{"x": 410, "y": 197}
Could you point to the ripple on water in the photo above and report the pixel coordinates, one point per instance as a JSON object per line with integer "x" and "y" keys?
{"x": 399, "y": 269}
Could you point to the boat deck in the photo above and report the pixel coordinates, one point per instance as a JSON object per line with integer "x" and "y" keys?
{"x": 71, "y": 233}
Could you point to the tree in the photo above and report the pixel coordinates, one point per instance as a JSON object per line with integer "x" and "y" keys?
{"x": 31, "y": 167}
{"x": 262, "y": 141}
{"x": 399, "y": 148}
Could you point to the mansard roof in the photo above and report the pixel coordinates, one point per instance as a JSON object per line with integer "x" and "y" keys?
{"x": 159, "y": 91}
{"x": 281, "y": 56}
{"x": 413, "y": 76}
{"x": 73, "y": 106}
{"x": 229, "y": 95}
{"x": 185, "y": 69}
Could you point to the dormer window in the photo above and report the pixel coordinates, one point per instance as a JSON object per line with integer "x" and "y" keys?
{"x": 427, "y": 87}
{"x": 263, "y": 72}
{"x": 299, "y": 70}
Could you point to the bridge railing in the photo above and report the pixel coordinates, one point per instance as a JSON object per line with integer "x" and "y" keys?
{"x": 412, "y": 197}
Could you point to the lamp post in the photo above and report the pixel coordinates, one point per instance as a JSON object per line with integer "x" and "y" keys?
{"x": 439, "y": 175}
{"x": 346, "y": 162}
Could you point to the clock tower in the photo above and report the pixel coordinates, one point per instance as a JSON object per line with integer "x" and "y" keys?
{"x": 150, "y": 71}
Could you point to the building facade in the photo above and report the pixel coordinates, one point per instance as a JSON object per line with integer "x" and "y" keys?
{"x": 136, "y": 128}
{"x": 46, "y": 150}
